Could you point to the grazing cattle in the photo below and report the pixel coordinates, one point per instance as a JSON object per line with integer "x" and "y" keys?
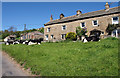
{"x": 36, "y": 41}
{"x": 95, "y": 38}
{"x": 91, "y": 38}
{"x": 21, "y": 41}
{"x": 88, "y": 38}
{"x": 84, "y": 40}
{"x": 9, "y": 42}
{"x": 16, "y": 42}
{"x": 25, "y": 42}
{"x": 29, "y": 42}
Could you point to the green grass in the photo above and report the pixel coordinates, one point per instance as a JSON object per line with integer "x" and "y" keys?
{"x": 68, "y": 58}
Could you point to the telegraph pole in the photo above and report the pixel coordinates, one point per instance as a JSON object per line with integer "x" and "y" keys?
{"x": 24, "y": 27}
{"x": 25, "y": 30}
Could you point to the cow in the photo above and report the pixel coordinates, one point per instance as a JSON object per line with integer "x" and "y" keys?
{"x": 35, "y": 41}
{"x": 8, "y": 42}
{"x": 91, "y": 38}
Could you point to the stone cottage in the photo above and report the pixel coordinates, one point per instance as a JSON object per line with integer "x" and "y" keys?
{"x": 32, "y": 35}
{"x": 96, "y": 23}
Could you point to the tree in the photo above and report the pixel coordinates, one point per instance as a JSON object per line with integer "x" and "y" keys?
{"x": 41, "y": 30}
{"x": 17, "y": 33}
{"x": 12, "y": 29}
{"x": 71, "y": 36}
{"x": 111, "y": 27}
{"x": 81, "y": 31}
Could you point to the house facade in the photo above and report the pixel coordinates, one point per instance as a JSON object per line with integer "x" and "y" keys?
{"x": 32, "y": 35}
{"x": 95, "y": 22}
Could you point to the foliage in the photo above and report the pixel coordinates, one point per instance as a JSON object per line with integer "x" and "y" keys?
{"x": 81, "y": 31}
{"x": 10, "y": 31}
{"x": 71, "y": 36}
{"x": 111, "y": 27}
{"x": 68, "y": 59}
{"x": 41, "y": 30}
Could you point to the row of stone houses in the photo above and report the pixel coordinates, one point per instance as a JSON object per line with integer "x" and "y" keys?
{"x": 96, "y": 23}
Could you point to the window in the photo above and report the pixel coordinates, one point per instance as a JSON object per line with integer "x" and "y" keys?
{"x": 95, "y": 22}
{"x": 29, "y": 36}
{"x": 63, "y": 36}
{"x": 115, "y": 20}
{"x": 51, "y": 36}
{"x": 63, "y": 27}
{"x": 102, "y": 33}
{"x": 82, "y": 24}
{"x": 48, "y": 29}
{"x": 46, "y": 37}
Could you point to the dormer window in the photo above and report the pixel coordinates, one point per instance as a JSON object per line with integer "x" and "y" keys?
{"x": 95, "y": 22}
{"x": 48, "y": 29}
{"x": 115, "y": 20}
{"x": 82, "y": 24}
{"x": 64, "y": 27}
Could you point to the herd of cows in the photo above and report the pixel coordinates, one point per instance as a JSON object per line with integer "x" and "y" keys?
{"x": 27, "y": 42}
{"x": 38, "y": 41}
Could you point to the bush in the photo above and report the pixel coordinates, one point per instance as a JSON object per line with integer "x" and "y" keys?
{"x": 71, "y": 36}
{"x": 81, "y": 31}
{"x": 111, "y": 27}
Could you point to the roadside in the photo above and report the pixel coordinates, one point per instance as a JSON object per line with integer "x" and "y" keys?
{"x": 11, "y": 68}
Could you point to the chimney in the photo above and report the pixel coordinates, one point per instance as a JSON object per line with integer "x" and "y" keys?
{"x": 51, "y": 18}
{"x": 78, "y": 12}
{"x": 61, "y": 16}
{"x": 107, "y": 6}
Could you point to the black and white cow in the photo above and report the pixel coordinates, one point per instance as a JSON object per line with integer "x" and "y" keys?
{"x": 91, "y": 38}
{"x": 35, "y": 41}
{"x": 9, "y": 41}
{"x": 16, "y": 42}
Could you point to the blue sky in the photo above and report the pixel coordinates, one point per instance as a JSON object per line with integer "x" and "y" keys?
{"x": 36, "y": 14}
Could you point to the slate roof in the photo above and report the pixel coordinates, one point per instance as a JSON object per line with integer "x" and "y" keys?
{"x": 85, "y": 16}
{"x": 36, "y": 33}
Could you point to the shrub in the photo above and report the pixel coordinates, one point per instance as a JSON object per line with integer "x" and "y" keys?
{"x": 81, "y": 31}
{"x": 71, "y": 36}
{"x": 111, "y": 27}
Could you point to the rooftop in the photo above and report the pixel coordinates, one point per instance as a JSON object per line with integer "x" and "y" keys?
{"x": 85, "y": 16}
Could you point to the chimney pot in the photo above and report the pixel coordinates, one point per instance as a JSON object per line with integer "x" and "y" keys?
{"x": 51, "y": 18}
{"x": 78, "y": 12}
{"x": 61, "y": 16}
{"x": 107, "y": 6}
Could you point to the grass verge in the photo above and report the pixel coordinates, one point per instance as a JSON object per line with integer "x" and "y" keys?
{"x": 68, "y": 58}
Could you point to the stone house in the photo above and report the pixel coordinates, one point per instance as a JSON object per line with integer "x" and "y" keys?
{"x": 96, "y": 23}
{"x": 32, "y": 35}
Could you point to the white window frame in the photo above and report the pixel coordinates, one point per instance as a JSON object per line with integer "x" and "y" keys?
{"x": 65, "y": 27}
{"x": 52, "y": 36}
{"x": 117, "y": 22}
{"x": 93, "y": 22}
{"x": 63, "y": 35}
{"x": 46, "y": 37}
{"x": 102, "y": 33}
{"x": 81, "y": 24}
{"x": 48, "y": 30}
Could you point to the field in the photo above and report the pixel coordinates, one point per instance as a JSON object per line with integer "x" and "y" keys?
{"x": 68, "y": 58}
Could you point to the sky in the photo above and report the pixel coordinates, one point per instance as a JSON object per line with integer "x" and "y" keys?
{"x": 36, "y": 14}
